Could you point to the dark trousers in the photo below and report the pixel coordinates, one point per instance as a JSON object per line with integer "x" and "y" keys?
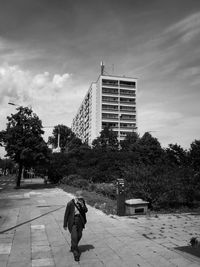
{"x": 76, "y": 233}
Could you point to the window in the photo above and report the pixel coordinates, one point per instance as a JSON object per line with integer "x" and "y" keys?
{"x": 110, "y": 107}
{"x": 109, "y": 91}
{"x": 127, "y": 92}
{"x": 127, "y": 100}
{"x": 127, "y": 117}
{"x": 109, "y": 124}
{"x": 127, "y": 84}
{"x": 109, "y": 116}
{"x": 125, "y": 108}
{"x": 127, "y": 125}
{"x": 110, "y": 82}
{"x": 109, "y": 99}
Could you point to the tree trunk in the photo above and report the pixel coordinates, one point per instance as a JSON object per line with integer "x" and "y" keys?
{"x": 19, "y": 175}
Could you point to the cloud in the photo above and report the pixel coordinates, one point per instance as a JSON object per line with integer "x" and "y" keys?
{"x": 186, "y": 29}
{"x": 55, "y": 98}
{"x": 22, "y": 85}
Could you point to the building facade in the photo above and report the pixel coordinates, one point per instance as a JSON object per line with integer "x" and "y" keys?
{"x": 111, "y": 101}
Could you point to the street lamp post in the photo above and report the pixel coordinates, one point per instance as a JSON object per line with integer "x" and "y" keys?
{"x": 22, "y": 171}
{"x": 13, "y": 104}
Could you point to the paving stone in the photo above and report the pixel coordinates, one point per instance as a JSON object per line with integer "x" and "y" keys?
{"x": 3, "y": 260}
{"x": 181, "y": 262}
{"x": 40, "y": 248}
{"x": 19, "y": 254}
{"x": 62, "y": 256}
{"x": 19, "y": 264}
{"x": 43, "y": 262}
{"x": 40, "y": 243}
{"x": 41, "y": 254}
{"x": 5, "y": 248}
{"x": 91, "y": 263}
{"x": 37, "y": 227}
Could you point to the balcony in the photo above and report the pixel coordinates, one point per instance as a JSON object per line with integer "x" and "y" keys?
{"x": 110, "y": 99}
{"x": 109, "y": 124}
{"x": 128, "y": 101}
{"x": 127, "y": 93}
{"x": 127, "y": 125}
{"x": 127, "y": 118}
{"x": 123, "y": 134}
{"x": 127, "y": 109}
{"x": 110, "y": 82}
{"x": 127, "y": 84}
{"x": 109, "y": 91}
{"x": 110, "y": 107}
{"x": 108, "y": 116}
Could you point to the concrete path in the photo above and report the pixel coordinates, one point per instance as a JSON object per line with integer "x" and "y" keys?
{"x": 40, "y": 240}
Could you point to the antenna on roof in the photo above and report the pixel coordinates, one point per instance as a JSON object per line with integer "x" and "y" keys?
{"x": 102, "y": 68}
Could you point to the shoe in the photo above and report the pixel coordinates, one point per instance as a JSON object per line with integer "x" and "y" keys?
{"x": 76, "y": 258}
{"x": 76, "y": 255}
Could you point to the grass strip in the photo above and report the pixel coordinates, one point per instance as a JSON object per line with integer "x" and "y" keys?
{"x": 94, "y": 199}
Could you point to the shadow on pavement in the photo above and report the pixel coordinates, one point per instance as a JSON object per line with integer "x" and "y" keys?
{"x": 84, "y": 248}
{"x": 191, "y": 250}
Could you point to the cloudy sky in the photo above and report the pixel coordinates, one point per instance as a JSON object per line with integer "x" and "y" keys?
{"x": 50, "y": 52}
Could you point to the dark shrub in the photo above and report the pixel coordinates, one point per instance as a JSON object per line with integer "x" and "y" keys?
{"x": 106, "y": 189}
{"x": 70, "y": 179}
{"x": 82, "y": 183}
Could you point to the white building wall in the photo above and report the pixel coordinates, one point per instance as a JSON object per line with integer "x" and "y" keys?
{"x": 95, "y": 109}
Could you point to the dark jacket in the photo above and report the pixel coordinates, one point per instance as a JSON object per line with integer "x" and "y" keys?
{"x": 70, "y": 212}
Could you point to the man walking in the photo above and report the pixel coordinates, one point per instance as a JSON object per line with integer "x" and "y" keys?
{"x": 75, "y": 220}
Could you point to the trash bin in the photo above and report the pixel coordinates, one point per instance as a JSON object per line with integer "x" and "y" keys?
{"x": 136, "y": 206}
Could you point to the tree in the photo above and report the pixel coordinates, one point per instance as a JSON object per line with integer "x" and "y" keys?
{"x": 130, "y": 142}
{"x": 107, "y": 140}
{"x": 68, "y": 139}
{"x": 149, "y": 149}
{"x": 194, "y": 155}
{"x": 176, "y": 155}
{"x": 23, "y": 140}
{"x": 7, "y": 166}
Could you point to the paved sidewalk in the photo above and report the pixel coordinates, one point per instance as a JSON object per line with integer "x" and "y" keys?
{"x": 40, "y": 240}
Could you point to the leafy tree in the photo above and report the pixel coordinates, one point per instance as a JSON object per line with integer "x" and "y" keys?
{"x": 176, "y": 155}
{"x": 68, "y": 139}
{"x": 107, "y": 140}
{"x": 23, "y": 140}
{"x": 194, "y": 154}
{"x": 7, "y": 166}
{"x": 149, "y": 149}
{"x": 130, "y": 142}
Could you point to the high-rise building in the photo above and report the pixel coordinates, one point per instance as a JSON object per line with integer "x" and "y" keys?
{"x": 110, "y": 101}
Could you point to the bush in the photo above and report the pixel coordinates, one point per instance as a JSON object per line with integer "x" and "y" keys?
{"x": 108, "y": 190}
{"x": 54, "y": 176}
{"x": 91, "y": 187}
{"x": 69, "y": 180}
{"x": 82, "y": 183}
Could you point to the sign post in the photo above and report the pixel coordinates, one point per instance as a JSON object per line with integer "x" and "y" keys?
{"x": 120, "y": 197}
